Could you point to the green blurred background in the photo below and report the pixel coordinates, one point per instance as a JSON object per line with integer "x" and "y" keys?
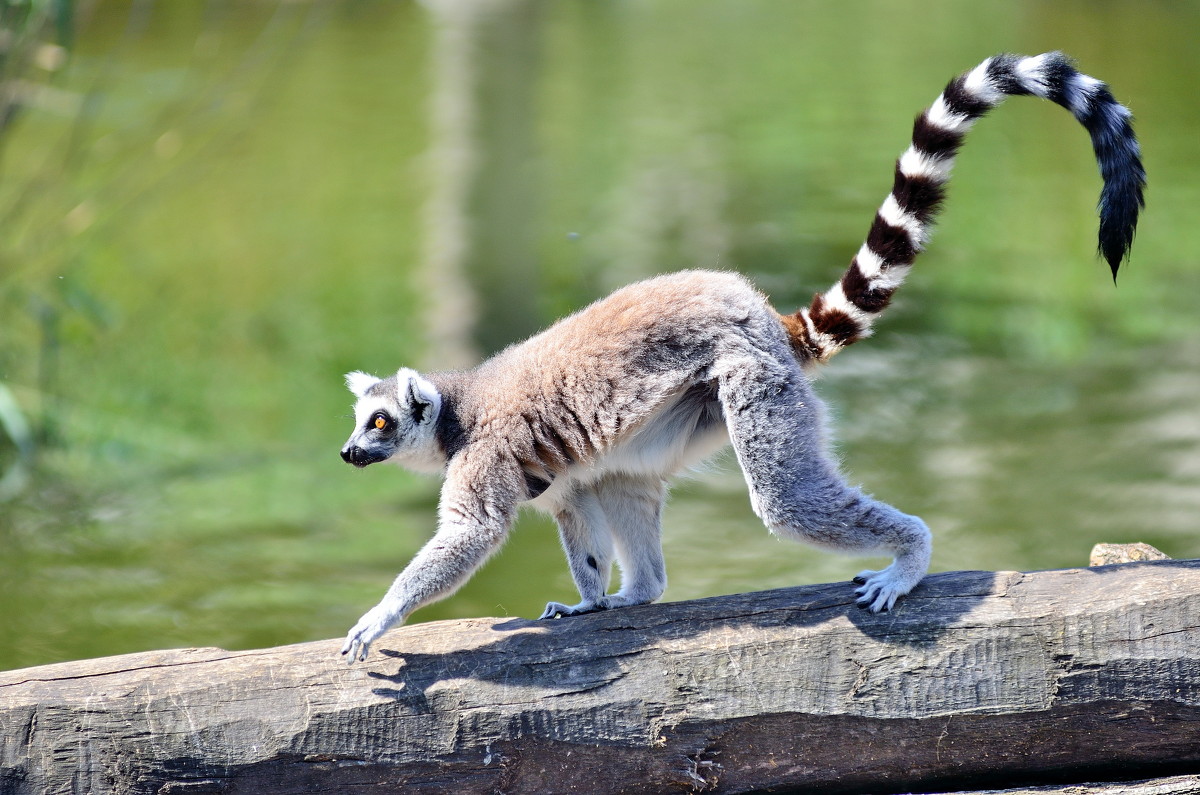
{"x": 209, "y": 211}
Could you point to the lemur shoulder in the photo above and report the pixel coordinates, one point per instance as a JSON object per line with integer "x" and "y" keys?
{"x": 588, "y": 419}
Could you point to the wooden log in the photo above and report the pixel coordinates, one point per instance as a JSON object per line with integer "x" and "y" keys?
{"x": 1173, "y": 785}
{"x": 977, "y": 679}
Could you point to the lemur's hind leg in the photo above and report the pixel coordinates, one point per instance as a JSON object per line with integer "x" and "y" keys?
{"x": 584, "y": 530}
{"x": 774, "y": 422}
{"x": 633, "y": 505}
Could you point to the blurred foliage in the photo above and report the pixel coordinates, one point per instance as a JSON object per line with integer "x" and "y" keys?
{"x": 33, "y": 36}
{"x": 210, "y": 211}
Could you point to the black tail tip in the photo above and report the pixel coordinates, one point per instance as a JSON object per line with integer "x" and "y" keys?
{"x": 1114, "y": 259}
{"x": 1116, "y": 240}
{"x": 1120, "y": 205}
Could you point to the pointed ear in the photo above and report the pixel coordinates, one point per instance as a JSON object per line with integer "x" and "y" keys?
{"x": 359, "y": 382}
{"x": 423, "y": 397}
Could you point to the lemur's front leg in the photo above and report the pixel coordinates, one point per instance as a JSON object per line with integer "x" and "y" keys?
{"x": 619, "y": 513}
{"x": 587, "y": 540}
{"x": 476, "y": 510}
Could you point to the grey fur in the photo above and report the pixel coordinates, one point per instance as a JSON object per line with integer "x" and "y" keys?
{"x": 588, "y": 419}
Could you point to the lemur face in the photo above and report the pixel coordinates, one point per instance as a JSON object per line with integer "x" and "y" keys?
{"x": 392, "y": 417}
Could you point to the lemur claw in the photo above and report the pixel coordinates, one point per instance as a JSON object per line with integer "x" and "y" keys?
{"x": 356, "y": 649}
{"x": 877, "y": 591}
{"x": 365, "y": 632}
{"x": 553, "y": 609}
{"x": 556, "y": 609}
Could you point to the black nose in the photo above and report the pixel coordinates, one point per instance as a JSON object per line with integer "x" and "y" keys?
{"x": 361, "y": 456}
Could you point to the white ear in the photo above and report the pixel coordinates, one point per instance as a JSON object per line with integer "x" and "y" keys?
{"x": 359, "y": 382}
{"x": 423, "y": 397}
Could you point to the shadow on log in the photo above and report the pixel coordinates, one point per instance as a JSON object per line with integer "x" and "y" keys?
{"x": 975, "y": 680}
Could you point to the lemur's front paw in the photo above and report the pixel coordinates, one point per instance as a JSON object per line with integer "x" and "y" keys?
{"x": 555, "y": 609}
{"x": 366, "y": 631}
{"x": 879, "y": 590}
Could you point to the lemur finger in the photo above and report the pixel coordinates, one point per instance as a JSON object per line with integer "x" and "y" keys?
{"x": 553, "y": 610}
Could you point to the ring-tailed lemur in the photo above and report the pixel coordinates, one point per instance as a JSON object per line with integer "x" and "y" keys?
{"x": 587, "y": 419}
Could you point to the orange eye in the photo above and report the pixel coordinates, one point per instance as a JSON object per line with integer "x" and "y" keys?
{"x": 381, "y": 422}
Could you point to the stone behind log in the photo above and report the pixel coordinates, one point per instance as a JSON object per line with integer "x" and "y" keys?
{"x": 1107, "y": 554}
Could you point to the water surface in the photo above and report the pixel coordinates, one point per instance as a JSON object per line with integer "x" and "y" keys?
{"x": 212, "y": 211}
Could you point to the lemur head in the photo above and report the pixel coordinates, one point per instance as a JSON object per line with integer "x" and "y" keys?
{"x": 394, "y": 417}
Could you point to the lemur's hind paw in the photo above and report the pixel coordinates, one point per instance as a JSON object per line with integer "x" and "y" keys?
{"x": 556, "y": 609}
{"x": 879, "y": 590}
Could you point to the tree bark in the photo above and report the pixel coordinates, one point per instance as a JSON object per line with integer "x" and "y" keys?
{"x": 975, "y": 680}
{"x": 1173, "y": 785}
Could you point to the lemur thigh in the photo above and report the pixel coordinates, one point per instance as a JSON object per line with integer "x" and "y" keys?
{"x": 587, "y": 541}
{"x": 633, "y": 505}
{"x": 775, "y": 426}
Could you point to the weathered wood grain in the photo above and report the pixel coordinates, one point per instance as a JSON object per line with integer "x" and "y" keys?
{"x": 977, "y": 679}
{"x": 1172, "y": 785}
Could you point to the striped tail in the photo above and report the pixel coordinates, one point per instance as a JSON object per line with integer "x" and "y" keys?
{"x": 844, "y": 313}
